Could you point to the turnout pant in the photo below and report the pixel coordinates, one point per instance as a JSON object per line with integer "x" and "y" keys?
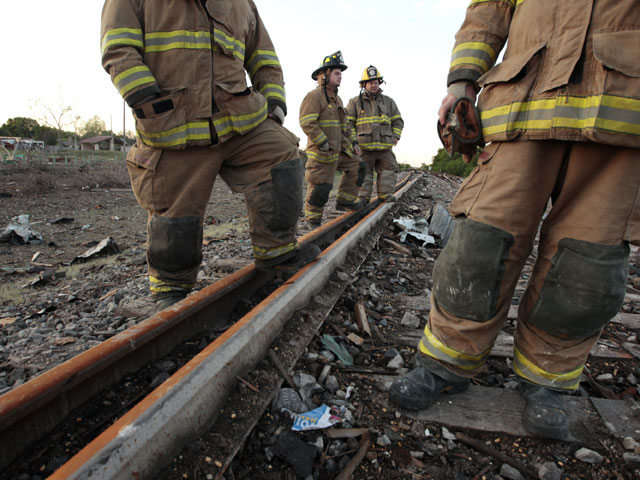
{"x": 174, "y": 186}
{"x": 587, "y": 196}
{"x": 320, "y": 174}
{"x": 383, "y": 162}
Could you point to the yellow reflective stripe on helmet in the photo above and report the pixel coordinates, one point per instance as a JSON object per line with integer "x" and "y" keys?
{"x": 229, "y": 43}
{"x": 260, "y": 253}
{"x": 273, "y": 90}
{"x": 132, "y": 78}
{"x": 176, "y": 136}
{"x": 175, "y": 39}
{"x": 240, "y": 123}
{"x": 259, "y": 59}
{"x": 322, "y": 158}
{"x": 308, "y": 118}
{"x": 525, "y": 368}
{"x": 431, "y": 346}
{"x": 602, "y": 112}
{"x": 122, "y": 36}
{"x": 156, "y": 285}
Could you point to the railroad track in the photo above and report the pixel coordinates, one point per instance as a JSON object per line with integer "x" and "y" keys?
{"x": 160, "y": 422}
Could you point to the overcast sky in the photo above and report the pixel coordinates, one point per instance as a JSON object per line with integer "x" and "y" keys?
{"x": 51, "y": 56}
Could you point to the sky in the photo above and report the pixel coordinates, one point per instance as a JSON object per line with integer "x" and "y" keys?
{"x": 51, "y": 58}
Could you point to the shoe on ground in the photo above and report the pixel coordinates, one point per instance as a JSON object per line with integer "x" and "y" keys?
{"x": 166, "y": 299}
{"x": 344, "y": 206}
{"x": 419, "y": 388}
{"x": 293, "y": 260}
{"x": 389, "y": 199}
{"x": 545, "y": 413}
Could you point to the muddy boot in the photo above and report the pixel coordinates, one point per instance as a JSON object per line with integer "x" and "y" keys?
{"x": 292, "y": 260}
{"x": 344, "y": 205}
{"x": 419, "y": 388}
{"x": 545, "y": 413}
{"x": 166, "y": 299}
{"x": 388, "y": 198}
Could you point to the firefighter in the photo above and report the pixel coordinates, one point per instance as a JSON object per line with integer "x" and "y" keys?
{"x": 184, "y": 76}
{"x": 562, "y": 113}
{"x": 376, "y": 126}
{"x": 322, "y": 118}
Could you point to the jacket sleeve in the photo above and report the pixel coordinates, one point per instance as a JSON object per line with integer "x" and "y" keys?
{"x": 352, "y": 115}
{"x": 480, "y": 39}
{"x": 397, "y": 123}
{"x": 262, "y": 64}
{"x": 309, "y": 114}
{"x": 122, "y": 51}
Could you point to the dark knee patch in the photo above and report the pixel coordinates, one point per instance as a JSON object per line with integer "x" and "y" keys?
{"x": 175, "y": 244}
{"x": 320, "y": 194}
{"x": 583, "y": 290}
{"x": 362, "y": 171}
{"x": 469, "y": 272}
{"x": 286, "y": 194}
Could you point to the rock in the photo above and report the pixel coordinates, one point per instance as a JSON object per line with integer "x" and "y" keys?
{"x": 628, "y": 442}
{"x": 410, "y": 320}
{"x": 631, "y": 458}
{"x": 288, "y": 398}
{"x": 509, "y": 473}
{"x": 605, "y": 378}
{"x": 589, "y": 456}
{"x": 549, "y": 471}
{"x": 332, "y": 384}
{"x": 297, "y": 453}
{"x": 447, "y": 435}
{"x": 396, "y": 362}
{"x": 159, "y": 379}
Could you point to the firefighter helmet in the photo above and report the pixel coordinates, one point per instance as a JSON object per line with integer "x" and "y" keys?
{"x": 332, "y": 61}
{"x": 370, "y": 73}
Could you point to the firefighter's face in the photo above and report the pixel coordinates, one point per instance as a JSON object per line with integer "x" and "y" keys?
{"x": 335, "y": 78}
{"x": 372, "y": 86}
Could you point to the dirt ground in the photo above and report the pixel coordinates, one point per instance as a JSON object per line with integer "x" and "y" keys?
{"x": 53, "y": 305}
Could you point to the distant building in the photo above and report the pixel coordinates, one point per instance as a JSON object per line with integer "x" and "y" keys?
{"x": 104, "y": 142}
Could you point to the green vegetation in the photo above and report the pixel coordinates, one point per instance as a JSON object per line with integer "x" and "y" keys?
{"x": 455, "y": 165}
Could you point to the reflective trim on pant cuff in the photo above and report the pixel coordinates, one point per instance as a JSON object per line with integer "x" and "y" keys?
{"x": 432, "y": 347}
{"x": 156, "y": 286}
{"x": 260, "y": 253}
{"x": 526, "y": 369}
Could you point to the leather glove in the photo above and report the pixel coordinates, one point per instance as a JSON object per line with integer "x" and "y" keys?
{"x": 462, "y": 132}
{"x": 324, "y": 146}
{"x": 277, "y": 110}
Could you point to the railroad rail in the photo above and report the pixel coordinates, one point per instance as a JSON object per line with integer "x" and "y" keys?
{"x": 183, "y": 405}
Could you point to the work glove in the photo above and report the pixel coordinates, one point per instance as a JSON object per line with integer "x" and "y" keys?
{"x": 462, "y": 132}
{"x": 324, "y": 146}
{"x": 277, "y": 111}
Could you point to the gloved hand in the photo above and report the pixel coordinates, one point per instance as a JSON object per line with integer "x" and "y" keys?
{"x": 357, "y": 149}
{"x": 277, "y": 111}
{"x": 454, "y": 92}
{"x": 324, "y": 146}
{"x": 462, "y": 132}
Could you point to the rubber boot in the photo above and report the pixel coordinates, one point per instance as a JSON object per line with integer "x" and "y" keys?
{"x": 292, "y": 260}
{"x": 166, "y": 299}
{"x": 419, "y": 388}
{"x": 344, "y": 205}
{"x": 545, "y": 413}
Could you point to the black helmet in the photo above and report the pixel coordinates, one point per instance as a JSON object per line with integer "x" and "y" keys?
{"x": 332, "y": 61}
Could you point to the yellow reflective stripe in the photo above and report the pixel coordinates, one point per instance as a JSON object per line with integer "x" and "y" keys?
{"x": 132, "y": 78}
{"x": 383, "y": 119}
{"x": 322, "y": 158}
{"x": 261, "y": 58}
{"x": 320, "y": 138}
{"x": 122, "y": 36}
{"x": 176, "y": 136}
{"x": 308, "y": 118}
{"x": 604, "y": 112}
{"x": 273, "y": 90}
{"x": 163, "y": 41}
{"x": 230, "y": 43}
{"x": 260, "y": 253}
{"x": 477, "y": 46}
{"x": 525, "y": 368}
{"x": 470, "y": 61}
{"x": 397, "y": 131}
{"x": 240, "y": 123}
{"x": 431, "y": 346}
{"x": 330, "y": 123}
{"x": 395, "y": 117}
{"x": 312, "y": 215}
{"x": 347, "y": 196}
{"x": 156, "y": 285}
{"x": 510, "y": 2}
{"x": 376, "y": 146}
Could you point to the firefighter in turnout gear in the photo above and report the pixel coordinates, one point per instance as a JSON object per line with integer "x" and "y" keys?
{"x": 562, "y": 113}
{"x": 376, "y": 126}
{"x": 183, "y": 72}
{"x": 323, "y": 120}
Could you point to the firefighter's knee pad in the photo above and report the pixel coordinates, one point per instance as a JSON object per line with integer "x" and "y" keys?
{"x": 320, "y": 194}
{"x": 175, "y": 244}
{"x": 583, "y": 290}
{"x": 468, "y": 273}
{"x": 287, "y": 194}
{"x": 362, "y": 171}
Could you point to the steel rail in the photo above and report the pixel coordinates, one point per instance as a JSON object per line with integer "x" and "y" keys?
{"x": 186, "y": 404}
{"x": 32, "y": 410}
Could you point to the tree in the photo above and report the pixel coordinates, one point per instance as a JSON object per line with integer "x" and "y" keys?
{"x": 455, "y": 165}
{"x": 92, "y": 128}
{"x": 54, "y": 116}
{"x": 20, "y": 127}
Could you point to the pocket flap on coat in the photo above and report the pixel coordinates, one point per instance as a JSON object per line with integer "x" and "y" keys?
{"x": 618, "y": 51}
{"x": 510, "y": 67}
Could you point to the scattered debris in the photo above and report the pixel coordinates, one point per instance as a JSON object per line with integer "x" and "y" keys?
{"x": 19, "y": 232}
{"x": 418, "y": 229}
{"x": 107, "y": 246}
